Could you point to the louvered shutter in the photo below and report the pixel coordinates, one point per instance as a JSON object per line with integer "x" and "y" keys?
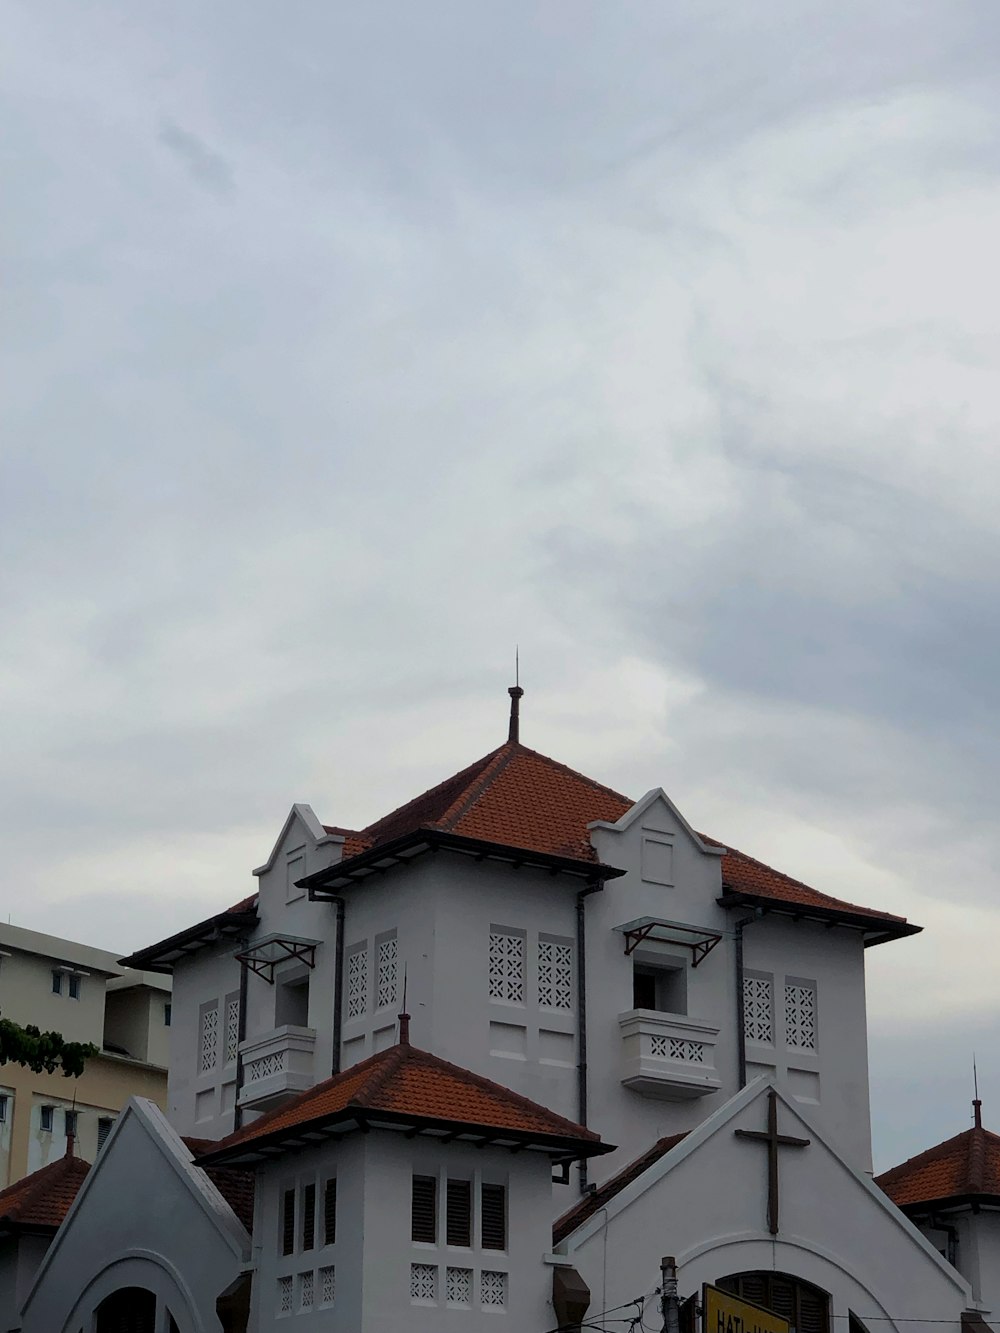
{"x": 459, "y": 1212}
{"x": 330, "y": 1212}
{"x": 288, "y": 1223}
{"x": 309, "y": 1217}
{"x": 424, "y": 1209}
{"x": 494, "y": 1217}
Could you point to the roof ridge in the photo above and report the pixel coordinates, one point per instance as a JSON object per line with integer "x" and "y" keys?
{"x": 575, "y": 773}
{"x": 477, "y": 764}
{"x": 392, "y": 1058}
{"x": 927, "y": 1156}
{"x": 977, "y": 1158}
{"x": 467, "y": 798}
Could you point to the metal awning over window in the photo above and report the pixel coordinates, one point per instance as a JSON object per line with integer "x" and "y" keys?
{"x": 264, "y": 956}
{"x": 655, "y": 930}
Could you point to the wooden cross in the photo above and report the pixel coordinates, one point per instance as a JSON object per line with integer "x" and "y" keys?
{"x": 774, "y": 1141}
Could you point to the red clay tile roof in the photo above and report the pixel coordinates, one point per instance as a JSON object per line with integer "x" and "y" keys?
{"x": 603, "y": 1194}
{"x": 409, "y": 1085}
{"x": 43, "y": 1199}
{"x": 235, "y": 1184}
{"x": 966, "y": 1166}
{"x": 520, "y": 798}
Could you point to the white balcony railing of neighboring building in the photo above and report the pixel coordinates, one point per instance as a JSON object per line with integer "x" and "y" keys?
{"x": 668, "y": 1055}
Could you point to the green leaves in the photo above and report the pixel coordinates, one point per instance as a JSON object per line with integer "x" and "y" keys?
{"x": 42, "y": 1052}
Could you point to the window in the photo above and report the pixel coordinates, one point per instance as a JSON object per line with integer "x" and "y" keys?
{"x": 167, "y": 1010}
{"x": 308, "y": 1217}
{"x": 806, "y": 1308}
{"x": 800, "y": 1014}
{"x": 291, "y": 1003}
{"x": 555, "y": 974}
{"x": 57, "y": 980}
{"x": 330, "y": 1211}
{"x": 493, "y": 1215}
{"x": 4, "y": 1099}
{"x": 661, "y": 988}
{"x": 506, "y": 966}
{"x": 357, "y": 981}
{"x": 46, "y": 1118}
{"x": 70, "y": 1119}
{"x": 103, "y": 1130}
{"x": 423, "y": 1210}
{"x": 758, "y": 1007}
{"x": 459, "y": 1212}
{"x": 74, "y": 986}
{"x": 209, "y": 1036}
{"x": 385, "y": 986}
{"x": 288, "y": 1222}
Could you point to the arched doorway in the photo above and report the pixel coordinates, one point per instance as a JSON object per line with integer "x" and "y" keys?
{"x": 806, "y": 1307}
{"x": 128, "y": 1310}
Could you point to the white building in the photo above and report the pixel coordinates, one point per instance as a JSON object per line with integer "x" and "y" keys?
{"x": 576, "y": 964}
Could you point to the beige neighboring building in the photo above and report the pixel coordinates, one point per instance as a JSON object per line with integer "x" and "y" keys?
{"x": 82, "y": 993}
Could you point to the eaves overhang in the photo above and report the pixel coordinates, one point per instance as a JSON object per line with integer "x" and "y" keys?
{"x": 951, "y": 1203}
{"x": 407, "y": 849}
{"x": 877, "y": 929}
{"x": 161, "y": 957}
{"x": 358, "y": 1119}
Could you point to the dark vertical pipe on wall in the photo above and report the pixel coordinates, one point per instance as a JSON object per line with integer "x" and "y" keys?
{"x": 242, "y": 1033}
{"x": 581, "y": 1014}
{"x": 338, "y": 994}
{"x": 741, "y": 1033}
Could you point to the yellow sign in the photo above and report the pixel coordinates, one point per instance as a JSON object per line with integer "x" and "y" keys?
{"x": 723, "y": 1313}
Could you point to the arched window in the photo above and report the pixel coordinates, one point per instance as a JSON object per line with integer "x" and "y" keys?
{"x": 806, "y": 1307}
{"x": 130, "y": 1310}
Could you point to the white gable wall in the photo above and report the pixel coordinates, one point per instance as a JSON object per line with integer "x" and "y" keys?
{"x": 705, "y": 1202}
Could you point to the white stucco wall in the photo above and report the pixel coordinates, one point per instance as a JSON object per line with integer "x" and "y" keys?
{"x": 706, "y": 1203}
{"x": 175, "y": 1235}
{"x": 374, "y": 1250}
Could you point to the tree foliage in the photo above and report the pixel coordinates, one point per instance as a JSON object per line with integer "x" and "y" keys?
{"x": 43, "y": 1052}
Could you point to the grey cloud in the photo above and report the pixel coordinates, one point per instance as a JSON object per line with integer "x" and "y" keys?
{"x": 209, "y": 168}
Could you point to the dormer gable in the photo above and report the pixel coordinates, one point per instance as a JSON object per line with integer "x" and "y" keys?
{"x": 659, "y": 825}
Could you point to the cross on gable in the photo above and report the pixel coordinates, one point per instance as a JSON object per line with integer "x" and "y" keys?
{"x": 774, "y": 1141}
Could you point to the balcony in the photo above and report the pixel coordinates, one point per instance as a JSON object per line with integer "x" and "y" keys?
{"x": 668, "y": 1055}
{"x": 276, "y": 1066}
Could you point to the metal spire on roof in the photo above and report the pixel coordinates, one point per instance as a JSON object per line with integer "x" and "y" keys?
{"x": 977, "y": 1106}
{"x": 516, "y": 693}
{"x": 404, "y": 1018}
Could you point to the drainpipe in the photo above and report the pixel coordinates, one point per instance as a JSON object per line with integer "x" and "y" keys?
{"x": 581, "y": 1011}
{"x": 241, "y": 1033}
{"x": 741, "y": 1036}
{"x": 338, "y": 994}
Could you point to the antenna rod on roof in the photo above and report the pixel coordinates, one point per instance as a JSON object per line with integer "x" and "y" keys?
{"x": 977, "y": 1106}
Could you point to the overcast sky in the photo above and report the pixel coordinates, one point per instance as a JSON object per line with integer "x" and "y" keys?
{"x": 349, "y": 345}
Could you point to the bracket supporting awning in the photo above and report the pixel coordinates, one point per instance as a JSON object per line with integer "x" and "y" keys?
{"x": 264, "y": 956}
{"x": 654, "y": 930}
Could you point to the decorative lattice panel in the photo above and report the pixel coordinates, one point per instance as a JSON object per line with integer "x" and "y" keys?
{"x": 264, "y": 1066}
{"x": 507, "y": 967}
{"x": 306, "y": 1290}
{"x": 423, "y": 1282}
{"x": 493, "y": 1289}
{"x": 758, "y": 1023}
{"x": 209, "y": 1037}
{"x": 232, "y": 1029}
{"x": 800, "y": 1016}
{"x": 357, "y": 983}
{"x": 284, "y": 1295}
{"x": 555, "y": 975}
{"x": 386, "y": 987}
{"x": 327, "y": 1285}
{"x": 458, "y": 1286}
{"x": 677, "y": 1048}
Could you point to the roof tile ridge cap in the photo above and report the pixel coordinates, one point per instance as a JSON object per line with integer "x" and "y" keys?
{"x": 841, "y": 902}
{"x": 462, "y": 803}
{"x": 507, "y": 1094}
{"x": 388, "y": 1065}
{"x": 575, "y": 773}
{"x": 924, "y": 1158}
{"x": 429, "y": 791}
